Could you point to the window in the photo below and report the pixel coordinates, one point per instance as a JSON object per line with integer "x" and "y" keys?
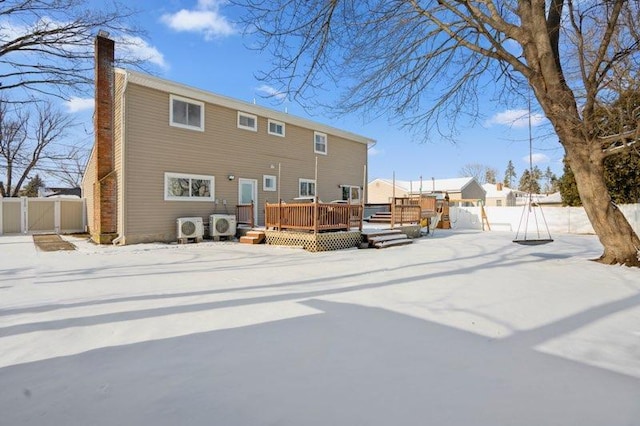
{"x": 351, "y": 193}
{"x": 268, "y": 183}
{"x": 319, "y": 143}
{"x": 498, "y": 203}
{"x": 182, "y": 187}
{"x": 186, "y": 113}
{"x": 307, "y": 187}
{"x": 247, "y": 121}
{"x": 276, "y": 128}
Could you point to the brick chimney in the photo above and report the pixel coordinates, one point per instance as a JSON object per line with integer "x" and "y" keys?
{"x": 104, "y": 229}
{"x": 499, "y": 186}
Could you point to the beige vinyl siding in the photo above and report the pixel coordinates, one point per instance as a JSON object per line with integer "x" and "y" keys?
{"x": 380, "y": 192}
{"x": 152, "y": 147}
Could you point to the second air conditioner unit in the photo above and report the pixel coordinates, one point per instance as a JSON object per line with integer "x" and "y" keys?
{"x": 190, "y": 227}
{"x": 222, "y": 225}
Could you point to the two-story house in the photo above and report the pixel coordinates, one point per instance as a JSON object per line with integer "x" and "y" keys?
{"x": 164, "y": 150}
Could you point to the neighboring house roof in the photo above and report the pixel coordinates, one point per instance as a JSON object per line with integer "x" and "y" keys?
{"x": 493, "y": 191}
{"x": 554, "y": 198}
{"x": 429, "y": 185}
{"x": 212, "y": 98}
{"x": 69, "y": 192}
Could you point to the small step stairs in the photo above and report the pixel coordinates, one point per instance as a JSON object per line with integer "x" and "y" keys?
{"x": 386, "y": 238}
{"x": 380, "y": 217}
{"x": 253, "y": 237}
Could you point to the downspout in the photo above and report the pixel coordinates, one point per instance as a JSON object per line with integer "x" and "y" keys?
{"x": 121, "y": 215}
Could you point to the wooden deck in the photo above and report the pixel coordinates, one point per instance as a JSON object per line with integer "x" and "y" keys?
{"x": 244, "y": 215}
{"x": 313, "y": 216}
{"x": 407, "y": 210}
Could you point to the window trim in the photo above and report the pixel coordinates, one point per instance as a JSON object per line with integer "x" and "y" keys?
{"x": 255, "y": 121}
{"x": 326, "y": 143}
{"x": 190, "y": 198}
{"x": 280, "y": 123}
{"x": 264, "y": 183}
{"x": 303, "y": 180}
{"x": 350, "y": 187}
{"x": 172, "y": 123}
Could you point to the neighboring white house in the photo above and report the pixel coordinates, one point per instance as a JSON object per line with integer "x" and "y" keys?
{"x": 499, "y": 195}
{"x": 554, "y": 199}
{"x": 383, "y": 190}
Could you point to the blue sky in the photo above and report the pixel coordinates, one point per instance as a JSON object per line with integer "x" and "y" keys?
{"x": 195, "y": 42}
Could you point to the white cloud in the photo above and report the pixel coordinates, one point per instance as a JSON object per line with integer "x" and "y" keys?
{"x": 76, "y": 104}
{"x": 373, "y": 151}
{"x": 271, "y": 91}
{"x": 515, "y": 118}
{"x": 137, "y": 48}
{"x": 536, "y": 158}
{"x": 205, "y": 19}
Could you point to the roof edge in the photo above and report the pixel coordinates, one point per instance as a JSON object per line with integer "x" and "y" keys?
{"x": 212, "y": 98}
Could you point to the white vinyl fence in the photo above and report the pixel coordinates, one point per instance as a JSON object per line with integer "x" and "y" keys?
{"x": 57, "y": 215}
{"x": 571, "y": 220}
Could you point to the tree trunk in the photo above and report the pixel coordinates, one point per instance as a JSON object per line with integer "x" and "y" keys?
{"x": 620, "y": 242}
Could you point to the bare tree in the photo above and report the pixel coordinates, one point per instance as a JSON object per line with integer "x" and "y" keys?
{"x": 70, "y": 171}
{"x": 46, "y": 46}
{"x": 481, "y": 172}
{"x": 426, "y": 60}
{"x": 28, "y": 138}
{"x": 47, "y": 50}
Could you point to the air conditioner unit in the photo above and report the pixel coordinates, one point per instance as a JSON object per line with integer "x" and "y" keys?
{"x": 221, "y": 225}
{"x": 190, "y": 227}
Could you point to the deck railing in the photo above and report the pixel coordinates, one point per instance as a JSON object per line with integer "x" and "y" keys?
{"x": 244, "y": 214}
{"x": 405, "y": 210}
{"x": 313, "y": 217}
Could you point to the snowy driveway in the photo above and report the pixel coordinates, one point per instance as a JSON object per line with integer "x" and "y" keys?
{"x": 460, "y": 329}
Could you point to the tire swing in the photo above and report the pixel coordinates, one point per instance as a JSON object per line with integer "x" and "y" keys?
{"x": 532, "y": 208}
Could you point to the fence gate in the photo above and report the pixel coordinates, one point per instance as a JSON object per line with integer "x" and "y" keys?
{"x": 57, "y": 215}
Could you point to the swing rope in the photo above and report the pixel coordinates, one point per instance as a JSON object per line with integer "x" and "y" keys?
{"x": 530, "y": 206}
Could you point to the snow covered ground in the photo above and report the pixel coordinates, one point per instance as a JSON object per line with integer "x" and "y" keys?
{"x": 463, "y": 328}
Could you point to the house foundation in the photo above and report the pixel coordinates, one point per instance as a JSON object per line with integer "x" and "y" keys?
{"x": 315, "y": 242}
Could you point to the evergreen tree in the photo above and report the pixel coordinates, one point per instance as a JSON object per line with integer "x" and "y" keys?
{"x": 490, "y": 175}
{"x": 32, "y": 188}
{"x": 622, "y": 165}
{"x": 568, "y": 189}
{"x": 622, "y": 175}
{"x": 550, "y": 181}
{"x": 509, "y": 175}
{"x": 529, "y": 181}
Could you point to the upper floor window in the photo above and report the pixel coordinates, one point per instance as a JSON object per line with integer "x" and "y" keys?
{"x": 269, "y": 183}
{"x": 184, "y": 187}
{"x": 186, "y": 113}
{"x": 276, "y": 128}
{"x": 307, "y": 188}
{"x": 319, "y": 143}
{"x": 247, "y": 121}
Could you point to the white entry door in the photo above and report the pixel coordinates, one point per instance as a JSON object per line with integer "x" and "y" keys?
{"x": 248, "y": 192}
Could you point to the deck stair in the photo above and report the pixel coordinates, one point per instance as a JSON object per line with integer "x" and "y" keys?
{"x": 386, "y": 238}
{"x": 253, "y": 237}
{"x": 380, "y": 217}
